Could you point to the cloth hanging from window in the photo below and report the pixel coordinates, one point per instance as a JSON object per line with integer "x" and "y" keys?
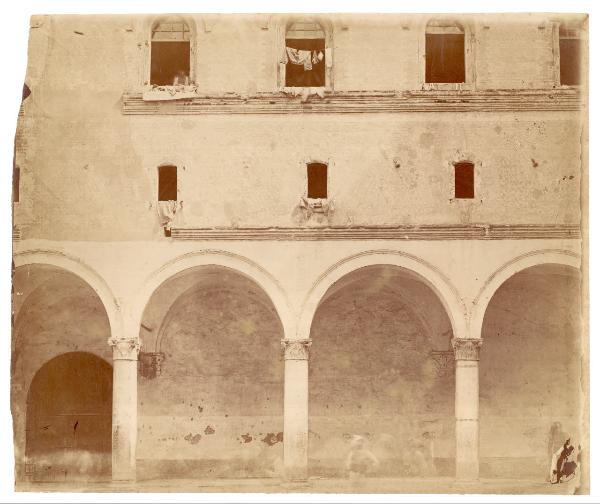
{"x": 302, "y": 57}
{"x": 166, "y": 212}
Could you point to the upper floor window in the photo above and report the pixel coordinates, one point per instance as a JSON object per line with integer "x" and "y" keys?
{"x": 570, "y": 56}
{"x": 304, "y": 58}
{"x": 464, "y": 180}
{"x": 444, "y": 52}
{"x": 170, "y": 53}
{"x": 317, "y": 180}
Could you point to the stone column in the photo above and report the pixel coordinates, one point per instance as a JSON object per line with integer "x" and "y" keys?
{"x": 295, "y": 409}
{"x": 466, "y": 406}
{"x": 124, "y": 413}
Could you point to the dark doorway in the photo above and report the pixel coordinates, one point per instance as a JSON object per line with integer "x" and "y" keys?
{"x": 69, "y": 418}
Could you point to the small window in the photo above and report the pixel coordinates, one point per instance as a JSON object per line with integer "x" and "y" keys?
{"x": 170, "y": 54}
{"x": 464, "y": 180}
{"x": 167, "y": 183}
{"x": 317, "y": 180}
{"x": 16, "y": 183}
{"x": 570, "y": 54}
{"x": 305, "y": 55}
{"x": 444, "y": 52}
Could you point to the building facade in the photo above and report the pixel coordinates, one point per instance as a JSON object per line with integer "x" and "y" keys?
{"x": 241, "y": 241}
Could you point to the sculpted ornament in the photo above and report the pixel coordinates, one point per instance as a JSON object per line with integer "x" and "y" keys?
{"x": 466, "y": 348}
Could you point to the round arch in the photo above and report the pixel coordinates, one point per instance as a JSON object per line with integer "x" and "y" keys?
{"x": 235, "y": 262}
{"x": 496, "y": 279}
{"x": 79, "y": 268}
{"x": 430, "y": 275}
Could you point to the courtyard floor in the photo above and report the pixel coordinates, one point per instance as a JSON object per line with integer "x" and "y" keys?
{"x": 313, "y": 485}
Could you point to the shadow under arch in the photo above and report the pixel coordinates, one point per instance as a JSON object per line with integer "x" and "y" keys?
{"x": 506, "y": 271}
{"x": 219, "y": 258}
{"x": 69, "y": 418}
{"x": 421, "y": 269}
{"x": 80, "y": 269}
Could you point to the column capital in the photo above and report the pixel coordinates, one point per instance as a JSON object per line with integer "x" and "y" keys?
{"x": 466, "y": 348}
{"x": 125, "y": 348}
{"x": 296, "y": 349}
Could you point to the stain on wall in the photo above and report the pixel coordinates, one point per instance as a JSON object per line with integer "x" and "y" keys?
{"x": 529, "y": 370}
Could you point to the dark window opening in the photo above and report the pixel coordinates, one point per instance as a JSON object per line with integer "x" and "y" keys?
{"x": 444, "y": 54}
{"x": 570, "y": 54}
{"x": 170, "y": 54}
{"x": 167, "y": 183}
{"x": 16, "y": 183}
{"x": 305, "y": 55}
{"x": 26, "y": 92}
{"x": 317, "y": 180}
{"x": 464, "y": 180}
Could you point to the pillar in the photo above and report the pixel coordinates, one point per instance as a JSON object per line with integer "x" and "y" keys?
{"x": 295, "y": 409}
{"x": 466, "y": 406}
{"x": 124, "y": 412}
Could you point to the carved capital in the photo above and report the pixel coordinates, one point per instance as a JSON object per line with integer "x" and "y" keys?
{"x": 466, "y": 348}
{"x": 296, "y": 349}
{"x": 125, "y": 349}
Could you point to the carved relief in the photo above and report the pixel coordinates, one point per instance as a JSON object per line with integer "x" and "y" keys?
{"x": 125, "y": 349}
{"x": 444, "y": 362}
{"x": 150, "y": 364}
{"x": 296, "y": 349}
{"x": 466, "y": 348}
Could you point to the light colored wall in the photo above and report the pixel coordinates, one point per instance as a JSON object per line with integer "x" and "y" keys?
{"x": 249, "y": 170}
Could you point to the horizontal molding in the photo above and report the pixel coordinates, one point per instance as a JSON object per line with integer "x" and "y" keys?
{"x": 430, "y": 232}
{"x": 361, "y": 102}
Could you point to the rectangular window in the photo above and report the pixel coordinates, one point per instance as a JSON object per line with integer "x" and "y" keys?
{"x": 445, "y": 57}
{"x": 570, "y": 53}
{"x": 167, "y": 183}
{"x": 16, "y": 183}
{"x": 317, "y": 180}
{"x": 464, "y": 180}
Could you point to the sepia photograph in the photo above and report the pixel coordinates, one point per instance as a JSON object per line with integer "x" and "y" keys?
{"x": 301, "y": 252}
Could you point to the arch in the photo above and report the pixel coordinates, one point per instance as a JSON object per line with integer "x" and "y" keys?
{"x": 496, "y": 279}
{"x": 461, "y": 69}
{"x": 235, "y": 262}
{"x": 327, "y": 29}
{"x": 150, "y": 24}
{"x": 429, "y": 274}
{"x": 55, "y": 397}
{"x": 79, "y": 268}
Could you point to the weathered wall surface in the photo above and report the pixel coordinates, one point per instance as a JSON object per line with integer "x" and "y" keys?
{"x": 530, "y": 370}
{"x": 371, "y": 373}
{"x": 216, "y": 408}
{"x": 385, "y": 169}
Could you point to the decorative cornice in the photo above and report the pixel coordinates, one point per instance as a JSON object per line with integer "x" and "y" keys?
{"x": 361, "y": 102}
{"x": 296, "y": 349}
{"x": 466, "y": 348}
{"x": 426, "y": 232}
{"x": 125, "y": 349}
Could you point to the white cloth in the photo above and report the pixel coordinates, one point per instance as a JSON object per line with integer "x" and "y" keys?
{"x": 300, "y": 57}
{"x": 166, "y": 212}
